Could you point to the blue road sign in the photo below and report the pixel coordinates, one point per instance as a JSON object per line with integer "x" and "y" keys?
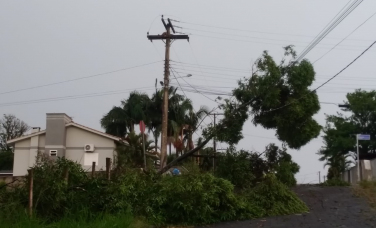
{"x": 364, "y": 137}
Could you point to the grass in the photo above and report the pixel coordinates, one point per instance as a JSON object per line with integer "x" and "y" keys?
{"x": 367, "y": 189}
{"x": 121, "y": 221}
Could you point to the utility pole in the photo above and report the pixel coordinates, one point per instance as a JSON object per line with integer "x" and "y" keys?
{"x": 215, "y": 139}
{"x": 319, "y": 178}
{"x": 167, "y": 36}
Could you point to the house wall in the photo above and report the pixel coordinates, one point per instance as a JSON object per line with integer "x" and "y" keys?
{"x": 25, "y": 151}
{"x": 373, "y": 167}
{"x": 76, "y": 140}
{"x": 55, "y": 132}
{"x": 21, "y": 157}
{"x": 368, "y": 172}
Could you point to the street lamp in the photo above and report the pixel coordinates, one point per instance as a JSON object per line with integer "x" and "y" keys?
{"x": 187, "y": 76}
{"x": 344, "y": 106}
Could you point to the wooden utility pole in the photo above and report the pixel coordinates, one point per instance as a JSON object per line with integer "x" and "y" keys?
{"x": 319, "y": 177}
{"x": 93, "y": 169}
{"x": 215, "y": 139}
{"x": 167, "y": 36}
{"x": 108, "y": 168}
{"x": 31, "y": 183}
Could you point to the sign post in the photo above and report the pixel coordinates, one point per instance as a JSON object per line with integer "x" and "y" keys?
{"x": 142, "y": 129}
{"x": 360, "y": 137}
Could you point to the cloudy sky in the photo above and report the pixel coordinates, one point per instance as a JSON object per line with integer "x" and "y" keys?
{"x": 53, "y": 55}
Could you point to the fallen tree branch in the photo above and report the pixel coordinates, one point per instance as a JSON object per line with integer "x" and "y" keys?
{"x": 184, "y": 156}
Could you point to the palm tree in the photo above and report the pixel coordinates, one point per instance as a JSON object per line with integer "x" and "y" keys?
{"x": 337, "y": 163}
{"x": 177, "y": 104}
{"x": 131, "y": 153}
{"x": 121, "y": 120}
{"x": 192, "y": 121}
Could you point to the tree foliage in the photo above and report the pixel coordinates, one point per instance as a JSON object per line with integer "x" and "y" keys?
{"x": 340, "y": 130}
{"x": 188, "y": 199}
{"x": 280, "y": 99}
{"x": 245, "y": 169}
{"x": 11, "y": 127}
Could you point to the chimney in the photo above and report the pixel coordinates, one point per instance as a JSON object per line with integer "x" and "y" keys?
{"x": 55, "y": 133}
{"x": 35, "y": 130}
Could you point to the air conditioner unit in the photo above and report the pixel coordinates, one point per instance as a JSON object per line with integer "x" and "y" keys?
{"x": 89, "y": 148}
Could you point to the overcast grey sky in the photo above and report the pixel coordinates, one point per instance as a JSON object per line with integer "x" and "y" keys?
{"x": 44, "y": 42}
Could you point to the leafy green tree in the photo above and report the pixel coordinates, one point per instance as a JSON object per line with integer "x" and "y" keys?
{"x": 280, "y": 99}
{"x": 121, "y": 120}
{"x": 130, "y": 154}
{"x": 11, "y": 127}
{"x": 277, "y": 96}
{"x": 245, "y": 169}
{"x": 340, "y": 130}
{"x": 6, "y": 160}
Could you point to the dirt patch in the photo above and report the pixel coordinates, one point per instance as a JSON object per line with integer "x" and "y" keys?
{"x": 329, "y": 207}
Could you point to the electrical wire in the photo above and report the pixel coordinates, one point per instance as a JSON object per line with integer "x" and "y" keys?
{"x": 256, "y": 42}
{"x": 210, "y": 66}
{"x": 105, "y": 93}
{"x": 327, "y": 81}
{"x": 81, "y": 78}
{"x": 333, "y": 24}
{"x": 195, "y": 57}
{"x": 260, "y": 38}
{"x": 345, "y": 37}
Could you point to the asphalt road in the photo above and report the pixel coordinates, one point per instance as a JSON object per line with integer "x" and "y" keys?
{"x": 329, "y": 207}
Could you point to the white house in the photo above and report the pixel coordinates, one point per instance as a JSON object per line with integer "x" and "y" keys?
{"x": 63, "y": 138}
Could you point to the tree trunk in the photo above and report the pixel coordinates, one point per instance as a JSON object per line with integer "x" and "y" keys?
{"x": 169, "y": 148}
{"x": 184, "y": 156}
{"x": 156, "y": 143}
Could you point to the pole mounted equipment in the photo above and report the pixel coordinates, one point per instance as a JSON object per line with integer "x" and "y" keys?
{"x": 167, "y": 37}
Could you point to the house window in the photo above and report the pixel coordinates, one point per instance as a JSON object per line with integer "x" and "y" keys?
{"x": 53, "y": 153}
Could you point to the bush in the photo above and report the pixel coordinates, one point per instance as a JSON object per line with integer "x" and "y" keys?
{"x": 236, "y": 167}
{"x": 190, "y": 199}
{"x": 272, "y": 198}
{"x": 335, "y": 182}
{"x": 245, "y": 169}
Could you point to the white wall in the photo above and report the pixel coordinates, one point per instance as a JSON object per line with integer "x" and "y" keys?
{"x": 76, "y": 140}
{"x": 21, "y": 158}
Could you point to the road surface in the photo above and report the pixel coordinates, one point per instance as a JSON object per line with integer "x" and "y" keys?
{"x": 329, "y": 207}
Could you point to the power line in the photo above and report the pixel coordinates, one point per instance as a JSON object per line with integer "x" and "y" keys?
{"x": 257, "y": 42}
{"x": 259, "y": 38}
{"x": 42, "y": 100}
{"x": 81, "y": 78}
{"x": 288, "y": 104}
{"x": 195, "y": 88}
{"x": 251, "y": 31}
{"x": 345, "y": 67}
{"x": 345, "y": 38}
{"x": 210, "y": 66}
{"x": 333, "y": 24}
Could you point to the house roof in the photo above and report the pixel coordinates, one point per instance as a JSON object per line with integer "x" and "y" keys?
{"x": 26, "y": 137}
{"x": 115, "y": 138}
{"x": 93, "y": 131}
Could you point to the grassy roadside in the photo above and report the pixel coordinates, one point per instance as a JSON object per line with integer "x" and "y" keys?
{"x": 123, "y": 221}
{"x": 367, "y": 190}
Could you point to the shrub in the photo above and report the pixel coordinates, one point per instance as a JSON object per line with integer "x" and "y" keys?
{"x": 271, "y": 198}
{"x": 190, "y": 199}
{"x": 245, "y": 169}
{"x": 335, "y": 182}
{"x": 236, "y": 167}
